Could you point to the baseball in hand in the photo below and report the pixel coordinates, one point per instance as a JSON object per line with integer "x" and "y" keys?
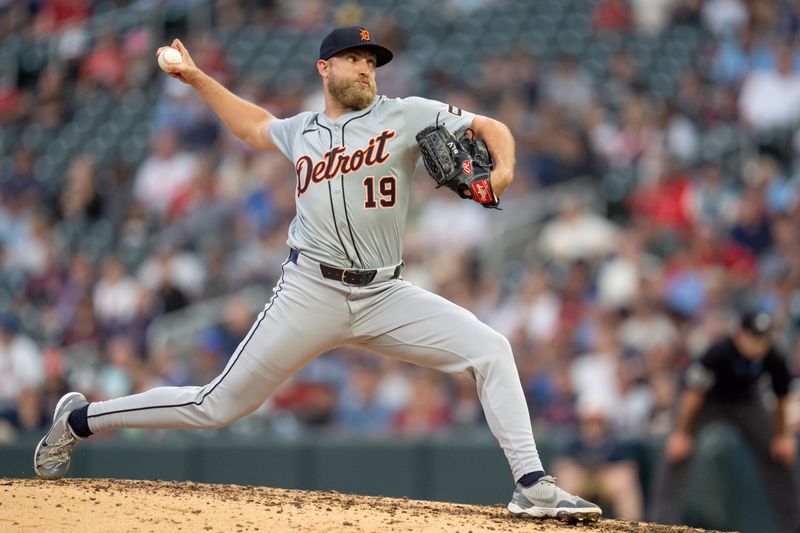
{"x": 169, "y": 56}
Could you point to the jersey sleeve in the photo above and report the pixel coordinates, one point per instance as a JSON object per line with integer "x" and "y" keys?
{"x": 285, "y": 131}
{"x": 419, "y": 113}
{"x": 779, "y": 373}
{"x": 698, "y": 377}
{"x": 701, "y": 373}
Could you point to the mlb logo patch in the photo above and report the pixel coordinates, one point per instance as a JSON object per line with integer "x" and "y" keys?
{"x": 454, "y": 110}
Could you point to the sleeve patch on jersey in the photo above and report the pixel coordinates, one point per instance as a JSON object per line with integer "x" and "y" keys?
{"x": 699, "y": 377}
{"x": 454, "y": 110}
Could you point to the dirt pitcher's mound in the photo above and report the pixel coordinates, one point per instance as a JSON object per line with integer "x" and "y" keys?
{"x": 104, "y": 505}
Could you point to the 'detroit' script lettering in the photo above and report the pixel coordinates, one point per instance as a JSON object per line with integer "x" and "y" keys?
{"x": 336, "y": 161}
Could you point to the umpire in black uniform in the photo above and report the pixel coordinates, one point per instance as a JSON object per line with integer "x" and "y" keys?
{"x": 723, "y": 385}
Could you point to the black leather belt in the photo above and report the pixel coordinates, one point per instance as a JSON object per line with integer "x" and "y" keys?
{"x": 346, "y": 276}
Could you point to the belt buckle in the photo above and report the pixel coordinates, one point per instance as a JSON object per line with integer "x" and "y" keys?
{"x": 344, "y": 278}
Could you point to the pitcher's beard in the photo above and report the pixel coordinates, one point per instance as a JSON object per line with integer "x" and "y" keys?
{"x": 352, "y": 95}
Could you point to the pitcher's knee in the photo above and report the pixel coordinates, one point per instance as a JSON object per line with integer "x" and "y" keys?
{"x": 219, "y": 420}
{"x": 499, "y": 346}
{"x": 496, "y": 350}
{"x": 220, "y": 412}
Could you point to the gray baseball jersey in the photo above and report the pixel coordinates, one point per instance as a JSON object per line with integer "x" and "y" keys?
{"x": 353, "y": 186}
{"x": 354, "y": 177}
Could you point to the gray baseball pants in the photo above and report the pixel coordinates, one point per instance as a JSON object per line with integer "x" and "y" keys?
{"x": 309, "y": 315}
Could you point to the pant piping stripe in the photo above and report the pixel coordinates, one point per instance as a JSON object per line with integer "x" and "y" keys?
{"x": 236, "y": 359}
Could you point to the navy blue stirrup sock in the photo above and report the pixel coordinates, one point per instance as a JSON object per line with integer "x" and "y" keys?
{"x": 79, "y": 423}
{"x": 530, "y": 478}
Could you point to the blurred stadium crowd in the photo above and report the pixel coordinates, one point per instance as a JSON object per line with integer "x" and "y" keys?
{"x": 123, "y": 203}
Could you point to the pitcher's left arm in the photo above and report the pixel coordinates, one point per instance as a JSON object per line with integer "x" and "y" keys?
{"x": 500, "y": 143}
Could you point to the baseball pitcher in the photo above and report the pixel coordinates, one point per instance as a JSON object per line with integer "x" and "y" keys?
{"x": 353, "y": 167}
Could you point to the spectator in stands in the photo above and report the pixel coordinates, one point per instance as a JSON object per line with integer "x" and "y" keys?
{"x": 211, "y": 57}
{"x": 137, "y": 49}
{"x": 594, "y": 372}
{"x": 652, "y": 16}
{"x": 20, "y": 186}
{"x": 713, "y": 197}
{"x": 14, "y": 104}
{"x": 310, "y": 402}
{"x": 171, "y": 269}
{"x": 539, "y": 308}
{"x": 208, "y": 359}
{"x": 29, "y": 241}
{"x": 625, "y": 143}
{"x": 360, "y": 410}
{"x": 752, "y": 226}
{"x": 237, "y": 320}
{"x": 770, "y": 99}
{"x": 577, "y": 233}
{"x": 118, "y": 195}
{"x": 427, "y": 410}
{"x": 568, "y": 86}
{"x": 58, "y": 15}
{"x": 78, "y": 282}
{"x": 13, "y": 16}
{"x": 611, "y": 16}
{"x": 735, "y": 55}
{"x": 552, "y": 398}
{"x": 781, "y": 260}
{"x": 106, "y": 66}
{"x": 681, "y": 138}
{"x": 792, "y": 18}
{"x": 764, "y": 173}
{"x": 725, "y": 17}
{"x": 116, "y": 294}
{"x": 80, "y": 201}
{"x": 51, "y": 108}
{"x": 197, "y": 212}
{"x": 723, "y": 385}
{"x": 310, "y": 16}
{"x": 629, "y": 417}
{"x": 466, "y": 410}
{"x": 442, "y": 213}
{"x": 20, "y": 362}
{"x": 120, "y": 373}
{"x": 619, "y": 277}
{"x": 564, "y": 156}
{"x": 646, "y": 324}
{"x": 664, "y": 392}
{"x": 598, "y": 463}
{"x": 688, "y": 13}
{"x": 28, "y": 414}
{"x": 257, "y": 258}
{"x": 164, "y": 173}
{"x": 624, "y": 77}
{"x": 663, "y": 203}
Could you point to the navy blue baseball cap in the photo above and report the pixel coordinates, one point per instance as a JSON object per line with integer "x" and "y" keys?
{"x": 757, "y": 323}
{"x": 353, "y": 37}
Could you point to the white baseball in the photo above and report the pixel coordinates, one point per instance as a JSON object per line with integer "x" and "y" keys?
{"x": 169, "y": 56}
